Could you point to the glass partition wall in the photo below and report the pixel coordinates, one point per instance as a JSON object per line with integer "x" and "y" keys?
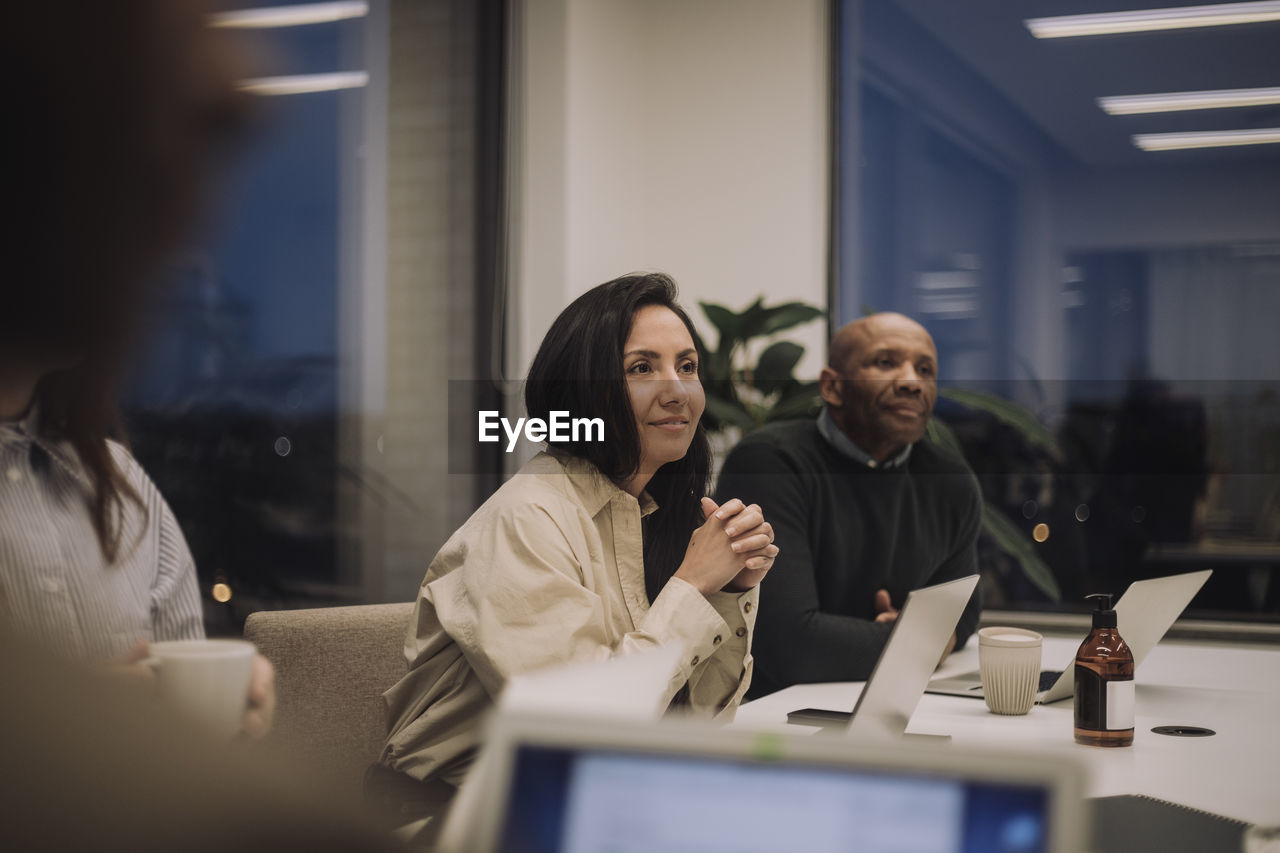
{"x": 1103, "y": 294}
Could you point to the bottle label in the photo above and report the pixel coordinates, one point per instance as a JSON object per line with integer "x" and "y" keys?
{"x": 1102, "y": 705}
{"x": 1119, "y": 705}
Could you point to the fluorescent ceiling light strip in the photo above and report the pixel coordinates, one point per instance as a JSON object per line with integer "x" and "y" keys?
{"x": 1169, "y": 102}
{"x": 300, "y": 84}
{"x": 1146, "y": 20}
{"x": 1206, "y": 139}
{"x": 290, "y": 16}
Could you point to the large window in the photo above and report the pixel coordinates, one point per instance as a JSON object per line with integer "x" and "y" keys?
{"x": 1102, "y": 310}
{"x": 293, "y": 404}
{"x": 236, "y": 406}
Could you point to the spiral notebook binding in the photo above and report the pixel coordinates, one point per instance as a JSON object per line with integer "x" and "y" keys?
{"x": 1244, "y": 824}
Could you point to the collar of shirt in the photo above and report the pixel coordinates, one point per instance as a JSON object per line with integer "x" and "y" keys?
{"x": 844, "y": 445}
{"x": 24, "y": 435}
{"x": 595, "y": 489}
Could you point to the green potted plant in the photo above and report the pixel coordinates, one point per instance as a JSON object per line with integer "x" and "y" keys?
{"x": 742, "y": 396}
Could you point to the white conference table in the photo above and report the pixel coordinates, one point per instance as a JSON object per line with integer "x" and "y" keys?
{"x": 1232, "y": 689}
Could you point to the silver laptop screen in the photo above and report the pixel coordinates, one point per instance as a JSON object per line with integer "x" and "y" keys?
{"x": 570, "y": 801}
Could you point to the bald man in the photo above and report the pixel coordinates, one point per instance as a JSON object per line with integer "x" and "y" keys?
{"x": 863, "y": 510}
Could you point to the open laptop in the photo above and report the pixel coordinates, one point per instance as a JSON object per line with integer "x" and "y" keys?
{"x": 1144, "y": 614}
{"x": 564, "y": 785}
{"x": 919, "y": 635}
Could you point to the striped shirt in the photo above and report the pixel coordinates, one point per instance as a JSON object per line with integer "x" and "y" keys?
{"x": 56, "y": 587}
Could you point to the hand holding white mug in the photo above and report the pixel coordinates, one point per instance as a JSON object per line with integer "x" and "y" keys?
{"x": 222, "y": 684}
{"x": 130, "y": 666}
{"x": 261, "y": 712}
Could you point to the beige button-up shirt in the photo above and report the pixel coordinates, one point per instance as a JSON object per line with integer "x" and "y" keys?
{"x": 549, "y": 570}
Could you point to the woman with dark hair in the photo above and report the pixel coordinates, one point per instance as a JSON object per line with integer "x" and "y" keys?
{"x": 594, "y": 549}
{"x": 124, "y": 107}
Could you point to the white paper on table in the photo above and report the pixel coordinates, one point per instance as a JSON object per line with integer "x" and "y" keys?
{"x": 629, "y": 687}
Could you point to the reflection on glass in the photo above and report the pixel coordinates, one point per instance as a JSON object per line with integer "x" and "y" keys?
{"x": 1085, "y": 281}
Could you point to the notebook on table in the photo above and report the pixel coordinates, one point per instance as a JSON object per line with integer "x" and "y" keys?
{"x": 1132, "y": 823}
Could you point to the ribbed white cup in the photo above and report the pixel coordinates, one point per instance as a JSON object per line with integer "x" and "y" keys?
{"x": 1009, "y": 659}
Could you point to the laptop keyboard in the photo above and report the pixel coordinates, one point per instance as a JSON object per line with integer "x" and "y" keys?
{"x": 1048, "y": 677}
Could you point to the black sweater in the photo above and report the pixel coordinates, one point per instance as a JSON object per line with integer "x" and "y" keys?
{"x": 844, "y": 531}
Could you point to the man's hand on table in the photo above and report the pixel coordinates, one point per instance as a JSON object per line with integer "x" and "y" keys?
{"x": 885, "y": 611}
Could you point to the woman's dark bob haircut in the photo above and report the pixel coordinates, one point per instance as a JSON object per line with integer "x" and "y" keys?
{"x": 578, "y": 369}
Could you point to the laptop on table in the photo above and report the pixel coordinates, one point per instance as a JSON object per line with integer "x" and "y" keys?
{"x": 562, "y": 785}
{"x": 925, "y": 623}
{"x": 1144, "y": 615}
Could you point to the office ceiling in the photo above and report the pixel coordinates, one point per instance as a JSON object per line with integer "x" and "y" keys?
{"x": 1055, "y": 82}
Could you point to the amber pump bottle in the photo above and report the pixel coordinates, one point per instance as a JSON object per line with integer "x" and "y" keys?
{"x": 1104, "y": 682}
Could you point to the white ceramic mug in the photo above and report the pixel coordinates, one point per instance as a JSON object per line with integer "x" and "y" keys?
{"x": 206, "y": 681}
{"x": 1009, "y": 659}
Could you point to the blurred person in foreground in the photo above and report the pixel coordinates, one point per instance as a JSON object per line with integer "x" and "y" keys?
{"x": 863, "y": 509}
{"x": 594, "y": 549}
{"x": 92, "y": 764}
{"x": 123, "y": 110}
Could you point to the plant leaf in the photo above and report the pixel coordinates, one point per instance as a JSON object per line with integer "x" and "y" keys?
{"x": 1027, "y": 425}
{"x": 775, "y": 366}
{"x": 753, "y": 318}
{"x": 796, "y": 388}
{"x": 942, "y": 435}
{"x": 801, "y": 401}
{"x": 714, "y": 373}
{"x": 729, "y": 413}
{"x": 703, "y": 351}
{"x": 788, "y": 314}
{"x": 727, "y": 323}
{"x": 1015, "y": 543}
{"x": 716, "y": 365}
{"x": 774, "y": 392}
{"x": 759, "y": 413}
